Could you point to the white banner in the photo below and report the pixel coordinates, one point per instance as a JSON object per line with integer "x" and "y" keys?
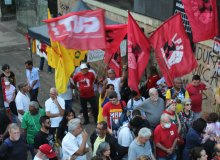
{"x": 38, "y": 50}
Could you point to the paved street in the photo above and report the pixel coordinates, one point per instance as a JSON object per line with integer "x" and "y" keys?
{"x": 14, "y": 51}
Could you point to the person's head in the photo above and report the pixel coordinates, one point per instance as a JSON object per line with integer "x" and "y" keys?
{"x": 171, "y": 105}
{"x": 28, "y": 64}
{"x": 136, "y": 124}
{"x": 88, "y": 65}
{"x": 45, "y": 122}
{"x": 33, "y": 108}
{"x": 153, "y": 93}
{"x": 14, "y": 132}
{"x": 210, "y": 131}
{"x": 67, "y": 116}
{"x": 103, "y": 149}
{"x": 165, "y": 120}
{"x": 178, "y": 82}
{"x": 53, "y": 93}
{"x": 136, "y": 113}
{"x": 187, "y": 103}
{"x": 196, "y": 80}
{"x": 153, "y": 71}
{"x": 212, "y": 118}
{"x": 98, "y": 158}
{"x": 23, "y": 86}
{"x": 5, "y": 68}
{"x": 7, "y": 81}
{"x": 84, "y": 68}
{"x": 82, "y": 61}
{"x": 135, "y": 95}
{"x": 101, "y": 128}
{"x": 198, "y": 153}
{"x": 144, "y": 135}
{"x": 199, "y": 125}
{"x": 111, "y": 74}
{"x": 109, "y": 87}
{"x": 143, "y": 157}
{"x": 217, "y": 149}
{"x": 113, "y": 98}
{"x": 45, "y": 152}
{"x": 74, "y": 126}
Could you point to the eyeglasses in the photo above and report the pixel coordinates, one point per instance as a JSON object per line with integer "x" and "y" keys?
{"x": 98, "y": 129}
{"x": 189, "y": 104}
{"x": 6, "y": 68}
{"x": 52, "y": 94}
{"x": 48, "y": 122}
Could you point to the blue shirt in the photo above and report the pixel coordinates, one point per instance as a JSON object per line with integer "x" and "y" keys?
{"x": 32, "y": 76}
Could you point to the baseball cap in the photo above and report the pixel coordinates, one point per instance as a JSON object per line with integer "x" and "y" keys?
{"x": 21, "y": 84}
{"x": 48, "y": 150}
{"x": 83, "y": 66}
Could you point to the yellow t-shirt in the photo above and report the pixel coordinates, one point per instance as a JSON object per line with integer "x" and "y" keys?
{"x": 100, "y": 116}
{"x": 96, "y": 144}
{"x": 179, "y": 106}
{"x": 77, "y": 56}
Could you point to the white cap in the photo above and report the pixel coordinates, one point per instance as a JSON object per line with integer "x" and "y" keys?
{"x": 83, "y": 66}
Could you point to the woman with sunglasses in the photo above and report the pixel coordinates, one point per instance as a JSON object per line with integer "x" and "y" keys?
{"x": 186, "y": 119}
{"x": 9, "y": 74}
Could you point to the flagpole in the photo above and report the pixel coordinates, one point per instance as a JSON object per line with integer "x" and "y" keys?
{"x": 164, "y": 67}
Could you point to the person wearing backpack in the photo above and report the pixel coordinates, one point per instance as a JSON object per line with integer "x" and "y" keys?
{"x": 14, "y": 147}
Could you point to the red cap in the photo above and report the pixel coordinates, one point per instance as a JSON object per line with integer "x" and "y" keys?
{"x": 48, "y": 150}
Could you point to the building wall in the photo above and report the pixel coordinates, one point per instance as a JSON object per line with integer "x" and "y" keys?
{"x": 206, "y": 61}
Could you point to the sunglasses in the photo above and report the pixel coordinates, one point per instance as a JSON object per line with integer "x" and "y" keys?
{"x": 189, "y": 104}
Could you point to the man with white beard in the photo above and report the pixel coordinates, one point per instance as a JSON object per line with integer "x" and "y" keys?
{"x": 45, "y": 152}
{"x": 14, "y": 147}
{"x": 153, "y": 108}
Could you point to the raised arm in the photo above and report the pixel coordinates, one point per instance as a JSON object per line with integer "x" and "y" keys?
{"x": 125, "y": 68}
{"x": 104, "y": 71}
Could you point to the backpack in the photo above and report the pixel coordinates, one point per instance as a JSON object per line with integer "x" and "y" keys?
{"x": 132, "y": 101}
{"x": 122, "y": 118}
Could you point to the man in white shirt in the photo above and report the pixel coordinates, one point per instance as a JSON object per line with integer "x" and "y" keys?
{"x": 115, "y": 81}
{"x": 74, "y": 143}
{"x": 22, "y": 100}
{"x": 54, "y": 107}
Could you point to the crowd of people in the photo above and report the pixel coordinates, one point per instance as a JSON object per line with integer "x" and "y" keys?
{"x": 162, "y": 123}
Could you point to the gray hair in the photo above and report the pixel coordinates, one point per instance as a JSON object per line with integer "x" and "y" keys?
{"x": 144, "y": 132}
{"x": 34, "y": 104}
{"x": 177, "y": 79}
{"x": 163, "y": 116}
{"x": 54, "y": 89}
{"x": 13, "y": 126}
{"x": 185, "y": 100}
{"x": 102, "y": 148}
{"x": 152, "y": 90}
{"x": 111, "y": 70}
{"x": 72, "y": 124}
{"x": 44, "y": 155}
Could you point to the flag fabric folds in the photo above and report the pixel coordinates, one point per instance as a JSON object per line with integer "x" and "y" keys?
{"x": 203, "y": 18}
{"x": 138, "y": 53}
{"x": 173, "y": 47}
{"x": 83, "y": 30}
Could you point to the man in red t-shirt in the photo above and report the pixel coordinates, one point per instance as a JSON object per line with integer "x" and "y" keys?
{"x": 195, "y": 91}
{"x": 165, "y": 138}
{"x": 86, "y": 91}
{"x": 112, "y": 109}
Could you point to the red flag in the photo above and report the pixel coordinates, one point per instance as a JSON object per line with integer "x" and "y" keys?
{"x": 114, "y": 35}
{"x": 138, "y": 53}
{"x": 173, "y": 47}
{"x": 83, "y": 30}
{"x": 203, "y": 18}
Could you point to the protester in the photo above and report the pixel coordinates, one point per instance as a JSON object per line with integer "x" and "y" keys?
{"x": 115, "y": 81}
{"x": 112, "y": 109}
{"x": 10, "y": 96}
{"x": 125, "y": 90}
{"x": 22, "y": 100}
{"x": 126, "y": 134}
{"x": 153, "y": 108}
{"x": 45, "y": 152}
{"x": 41, "y": 66}
{"x": 141, "y": 145}
{"x": 7, "y": 73}
{"x": 178, "y": 93}
{"x": 165, "y": 139}
{"x": 193, "y": 137}
{"x": 86, "y": 91}
{"x": 74, "y": 143}
{"x": 162, "y": 86}
{"x": 195, "y": 90}
{"x": 104, "y": 151}
{"x": 212, "y": 118}
{"x": 209, "y": 139}
{"x": 54, "y": 108}
{"x": 198, "y": 153}
{"x": 216, "y": 152}
{"x": 4, "y": 125}
{"x": 101, "y": 135}
{"x": 186, "y": 120}
{"x": 32, "y": 80}
{"x": 103, "y": 99}
{"x": 151, "y": 82}
{"x": 31, "y": 125}
{"x": 45, "y": 135}
{"x": 143, "y": 157}
{"x": 67, "y": 96}
{"x": 14, "y": 147}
